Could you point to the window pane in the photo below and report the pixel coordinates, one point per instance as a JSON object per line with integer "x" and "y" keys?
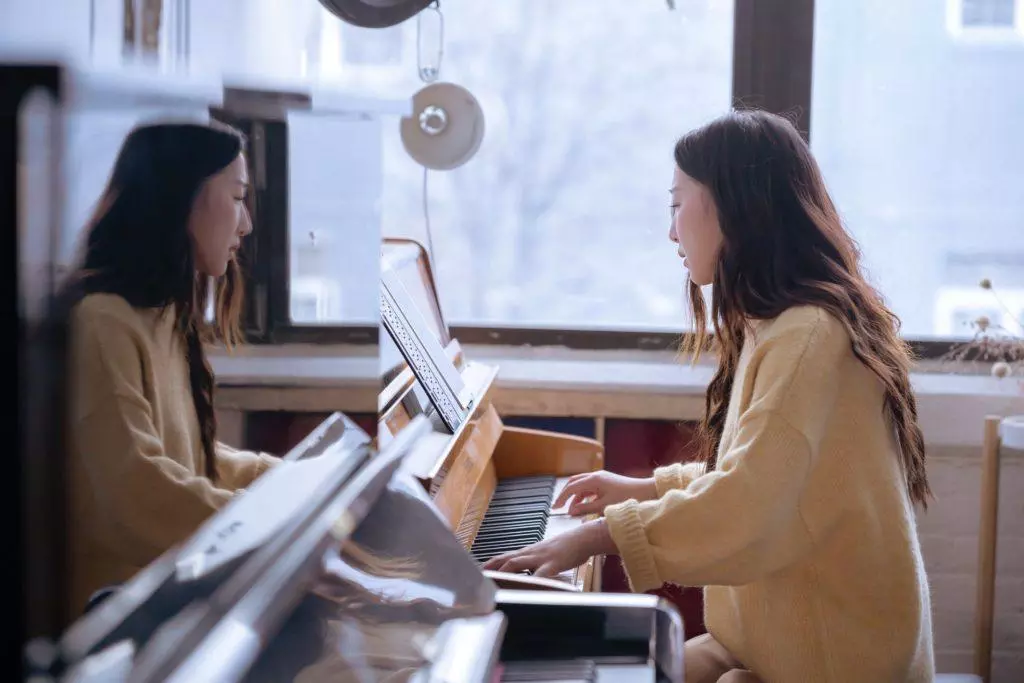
{"x": 93, "y": 138}
{"x": 987, "y": 12}
{"x": 562, "y": 216}
{"x": 334, "y": 178}
{"x": 919, "y": 137}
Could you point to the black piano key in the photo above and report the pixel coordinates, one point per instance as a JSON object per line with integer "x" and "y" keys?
{"x": 516, "y": 516}
{"x": 513, "y": 542}
{"x": 511, "y": 529}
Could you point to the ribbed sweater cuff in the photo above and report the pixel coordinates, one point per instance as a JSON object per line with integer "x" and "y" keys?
{"x": 668, "y": 478}
{"x": 627, "y": 531}
{"x": 266, "y": 461}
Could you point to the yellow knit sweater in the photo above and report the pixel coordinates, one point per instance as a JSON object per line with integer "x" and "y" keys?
{"x": 804, "y": 535}
{"x": 135, "y": 471}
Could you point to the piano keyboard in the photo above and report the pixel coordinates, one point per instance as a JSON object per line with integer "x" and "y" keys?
{"x": 518, "y": 514}
{"x": 516, "y": 517}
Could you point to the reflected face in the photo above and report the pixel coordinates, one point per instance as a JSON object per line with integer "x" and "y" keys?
{"x": 695, "y": 227}
{"x": 219, "y": 218}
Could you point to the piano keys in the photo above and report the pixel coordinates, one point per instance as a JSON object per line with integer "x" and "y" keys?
{"x": 494, "y": 484}
{"x": 368, "y": 583}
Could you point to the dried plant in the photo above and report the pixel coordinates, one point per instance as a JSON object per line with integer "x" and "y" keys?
{"x": 991, "y": 344}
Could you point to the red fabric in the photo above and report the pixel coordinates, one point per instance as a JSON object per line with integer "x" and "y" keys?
{"x": 635, "y": 448}
{"x": 279, "y": 432}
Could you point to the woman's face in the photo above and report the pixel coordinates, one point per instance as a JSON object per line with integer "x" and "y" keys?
{"x": 695, "y": 227}
{"x": 219, "y": 218}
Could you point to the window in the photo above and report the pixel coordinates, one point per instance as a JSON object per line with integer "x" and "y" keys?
{"x": 314, "y": 300}
{"x": 375, "y": 47}
{"x": 987, "y": 13}
{"x": 568, "y": 193}
{"x": 985, "y": 19}
{"x": 334, "y": 218}
{"x": 919, "y": 141}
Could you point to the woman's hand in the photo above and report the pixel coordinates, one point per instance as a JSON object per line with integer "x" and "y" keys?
{"x": 593, "y": 491}
{"x": 558, "y": 554}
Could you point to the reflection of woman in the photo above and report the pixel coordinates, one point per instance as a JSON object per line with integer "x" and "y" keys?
{"x": 145, "y": 467}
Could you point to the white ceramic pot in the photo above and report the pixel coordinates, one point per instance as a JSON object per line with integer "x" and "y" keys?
{"x": 1012, "y": 432}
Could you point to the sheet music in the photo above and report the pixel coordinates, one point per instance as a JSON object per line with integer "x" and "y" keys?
{"x": 421, "y": 350}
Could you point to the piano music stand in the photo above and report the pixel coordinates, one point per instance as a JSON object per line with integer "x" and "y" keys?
{"x": 408, "y": 259}
{"x": 423, "y": 352}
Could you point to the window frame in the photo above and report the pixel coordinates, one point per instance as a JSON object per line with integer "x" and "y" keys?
{"x": 984, "y": 35}
{"x": 265, "y": 255}
{"x": 773, "y": 51}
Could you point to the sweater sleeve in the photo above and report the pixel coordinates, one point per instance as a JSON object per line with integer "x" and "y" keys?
{"x": 146, "y": 501}
{"x": 238, "y": 469}
{"x": 742, "y": 521}
{"x": 676, "y": 476}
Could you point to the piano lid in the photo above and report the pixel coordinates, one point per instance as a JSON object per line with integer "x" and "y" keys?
{"x": 190, "y": 571}
{"x": 332, "y": 454}
{"x": 378, "y": 604}
{"x": 387, "y": 604}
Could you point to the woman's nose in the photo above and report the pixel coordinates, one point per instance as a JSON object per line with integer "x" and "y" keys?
{"x": 245, "y": 224}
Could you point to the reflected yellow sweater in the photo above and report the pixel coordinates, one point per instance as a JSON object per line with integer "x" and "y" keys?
{"x": 135, "y": 472}
{"x": 804, "y": 535}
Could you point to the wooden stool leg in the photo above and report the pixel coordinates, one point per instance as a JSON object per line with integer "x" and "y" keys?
{"x": 983, "y": 612}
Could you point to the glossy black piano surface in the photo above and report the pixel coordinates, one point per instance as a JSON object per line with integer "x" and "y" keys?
{"x": 396, "y": 597}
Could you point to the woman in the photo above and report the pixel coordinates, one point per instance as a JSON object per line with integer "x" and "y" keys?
{"x": 798, "y": 518}
{"x": 145, "y": 466}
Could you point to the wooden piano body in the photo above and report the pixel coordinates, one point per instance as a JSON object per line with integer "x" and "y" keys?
{"x": 463, "y": 470}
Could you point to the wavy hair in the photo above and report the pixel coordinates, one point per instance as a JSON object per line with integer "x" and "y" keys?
{"x": 784, "y": 245}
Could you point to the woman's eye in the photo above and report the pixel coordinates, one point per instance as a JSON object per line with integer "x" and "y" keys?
{"x": 673, "y": 208}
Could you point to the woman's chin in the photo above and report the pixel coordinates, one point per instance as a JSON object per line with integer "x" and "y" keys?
{"x": 700, "y": 282}
{"x": 215, "y": 272}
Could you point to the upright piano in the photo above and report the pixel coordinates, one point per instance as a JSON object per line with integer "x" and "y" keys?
{"x": 357, "y": 576}
{"x": 494, "y": 483}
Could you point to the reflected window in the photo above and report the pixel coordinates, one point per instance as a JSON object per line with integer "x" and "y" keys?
{"x": 334, "y": 190}
{"x": 987, "y": 13}
{"x": 377, "y": 47}
{"x": 921, "y": 153}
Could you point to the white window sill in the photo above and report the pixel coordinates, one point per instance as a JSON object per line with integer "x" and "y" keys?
{"x": 951, "y": 407}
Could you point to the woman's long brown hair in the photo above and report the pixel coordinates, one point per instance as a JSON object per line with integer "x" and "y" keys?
{"x": 785, "y": 245}
{"x": 137, "y": 246}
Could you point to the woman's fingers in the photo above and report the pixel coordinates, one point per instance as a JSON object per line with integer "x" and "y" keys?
{"x": 586, "y": 487}
{"x": 581, "y": 506}
{"x": 581, "y": 488}
{"x": 547, "y": 570}
{"x": 495, "y": 562}
{"x": 519, "y": 563}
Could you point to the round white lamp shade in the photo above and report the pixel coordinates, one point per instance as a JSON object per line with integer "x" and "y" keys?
{"x": 446, "y": 127}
